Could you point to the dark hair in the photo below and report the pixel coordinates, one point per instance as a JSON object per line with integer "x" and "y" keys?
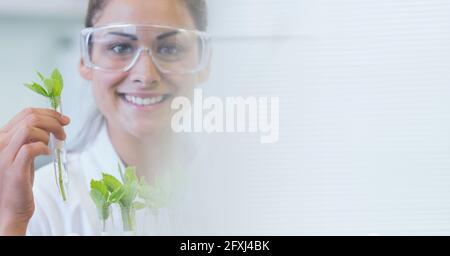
{"x": 197, "y": 9}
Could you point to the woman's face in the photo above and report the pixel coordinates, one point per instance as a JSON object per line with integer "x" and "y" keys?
{"x": 143, "y": 81}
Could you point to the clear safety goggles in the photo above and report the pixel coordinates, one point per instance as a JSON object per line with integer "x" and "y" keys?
{"x": 117, "y": 48}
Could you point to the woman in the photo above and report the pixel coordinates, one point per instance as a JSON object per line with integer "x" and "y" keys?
{"x": 139, "y": 55}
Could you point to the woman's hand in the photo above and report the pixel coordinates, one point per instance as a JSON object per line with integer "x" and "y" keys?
{"x": 24, "y": 138}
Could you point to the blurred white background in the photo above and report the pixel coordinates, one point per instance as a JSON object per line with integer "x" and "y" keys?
{"x": 365, "y": 111}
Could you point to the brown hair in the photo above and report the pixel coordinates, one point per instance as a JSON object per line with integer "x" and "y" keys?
{"x": 197, "y": 9}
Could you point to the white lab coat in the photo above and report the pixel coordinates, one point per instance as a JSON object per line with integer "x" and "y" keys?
{"x": 79, "y": 216}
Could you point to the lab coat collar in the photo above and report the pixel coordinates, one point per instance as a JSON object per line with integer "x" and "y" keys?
{"x": 103, "y": 155}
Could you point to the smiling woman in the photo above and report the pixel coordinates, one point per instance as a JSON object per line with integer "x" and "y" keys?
{"x": 197, "y": 11}
{"x": 138, "y": 56}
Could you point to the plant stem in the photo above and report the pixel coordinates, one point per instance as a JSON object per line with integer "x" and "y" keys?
{"x": 104, "y": 214}
{"x": 60, "y": 175}
{"x": 56, "y": 104}
{"x": 127, "y": 219}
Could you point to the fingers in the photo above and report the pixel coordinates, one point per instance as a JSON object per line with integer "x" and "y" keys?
{"x": 26, "y": 113}
{"x": 29, "y": 127}
{"x": 4, "y": 140}
{"x": 45, "y": 123}
{"x": 28, "y": 152}
{"x": 26, "y": 135}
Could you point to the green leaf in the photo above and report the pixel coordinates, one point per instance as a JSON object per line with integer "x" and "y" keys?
{"x": 144, "y": 188}
{"x": 42, "y": 77}
{"x": 157, "y": 195}
{"x": 58, "y": 83}
{"x": 56, "y": 75}
{"x": 139, "y": 205}
{"x": 98, "y": 198}
{"x": 111, "y": 182}
{"x": 37, "y": 89}
{"x": 57, "y": 89}
{"x": 100, "y": 203}
{"x": 129, "y": 195}
{"x": 155, "y": 200}
{"x": 100, "y": 187}
{"x": 130, "y": 175}
{"x": 117, "y": 195}
{"x": 52, "y": 87}
{"x": 49, "y": 84}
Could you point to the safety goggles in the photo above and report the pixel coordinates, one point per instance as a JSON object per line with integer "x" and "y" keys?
{"x": 117, "y": 48}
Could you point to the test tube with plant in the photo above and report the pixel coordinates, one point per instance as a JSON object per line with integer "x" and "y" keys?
{"x": 104, "y": 197}
{"x": 128, "y": 203}
{"x": 131, "y": 195}
{"x": 109, "y": 190}
{"x": 51, "y": 89}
